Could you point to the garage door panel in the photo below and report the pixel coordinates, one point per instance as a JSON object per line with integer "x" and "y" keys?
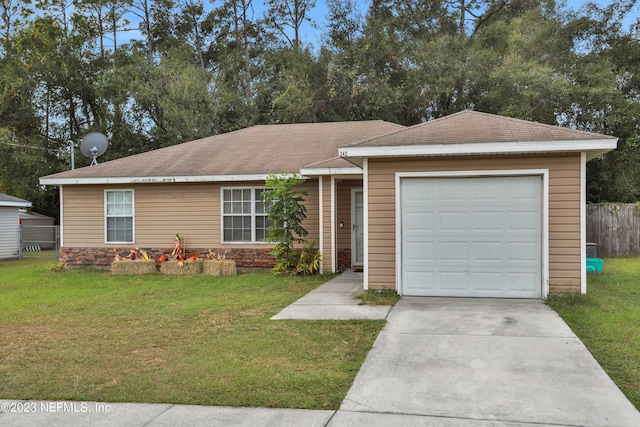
{"x": 421, "y": 194}
{"x": 488, "y": 281}
{"x": 452, "y": 281}
{"x": 452, "y": 251}
{"x": 419, "y": 252}
{"x": 487, "y": 252}
{"x": 523, "y": 251}
{"x": 487, "y": 221}
{"x": 453, "y": 194}
{"x": 520, "y": 190}
{"x": 488, "y": 191}
{"x": 522, "y": 283}
{"x": 420, "y": 282}
{"x": 523, "y": 221}
{"x": 419, "y": 221}
{"x": 452, "y": 221}
{"x": 482, "y": 237}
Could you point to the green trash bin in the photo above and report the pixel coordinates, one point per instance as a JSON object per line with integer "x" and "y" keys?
{"x": 594, "y": 265}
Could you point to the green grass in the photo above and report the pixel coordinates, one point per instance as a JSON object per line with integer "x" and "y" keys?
{"x": 49, "y": 253}
{"x": 88, "y": 335}
{"x": 607, "y": 320}
{"x": 378, "y": 297}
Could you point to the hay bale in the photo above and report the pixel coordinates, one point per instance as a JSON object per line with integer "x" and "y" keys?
{"x": 137, "y": 267}
{"x": 188, "y": 267}
{"x": 214, "y": 267}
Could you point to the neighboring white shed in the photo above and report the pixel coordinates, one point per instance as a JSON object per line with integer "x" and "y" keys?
{"x": 10, "y": 225}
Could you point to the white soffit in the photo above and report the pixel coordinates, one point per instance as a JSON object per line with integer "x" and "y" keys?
{"x": 155, "y": 179}
{"x": 331, "y": 171}
{"x": 593, "y": 148}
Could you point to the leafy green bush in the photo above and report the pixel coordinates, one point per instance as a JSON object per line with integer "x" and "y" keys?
{"x": 285, "y": 207}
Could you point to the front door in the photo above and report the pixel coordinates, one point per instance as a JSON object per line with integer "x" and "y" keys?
{"x": 357, "y": 228}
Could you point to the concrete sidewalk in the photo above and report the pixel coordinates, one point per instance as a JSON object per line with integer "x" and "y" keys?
{"x": 334, "y": 301}
{"x": 95, "y": 414}
{"x": 438, "y": 362}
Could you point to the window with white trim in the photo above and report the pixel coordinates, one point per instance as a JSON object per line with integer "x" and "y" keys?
{"x": 244, "y": 217}
{"x": 118, "y": 216}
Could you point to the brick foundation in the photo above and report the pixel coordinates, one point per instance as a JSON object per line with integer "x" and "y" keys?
{"x": 344, "y": 257}
{"x": 244, "y": 258}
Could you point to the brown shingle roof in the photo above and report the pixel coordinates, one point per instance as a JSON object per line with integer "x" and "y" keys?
{"x": 469, "y": 126}
{"x": 255, "y": 150}
{"x": 336, "y": 162}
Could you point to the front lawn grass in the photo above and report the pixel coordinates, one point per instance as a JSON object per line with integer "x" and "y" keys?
{"x": 378, "y": 297}
{"x": 91, "y": 336}
{"x": 607, "y": 320}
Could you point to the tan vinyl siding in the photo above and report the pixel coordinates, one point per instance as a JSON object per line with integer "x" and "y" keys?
{"x": 83, "y": 216}
{"x": 326, "y": 225}
{"x": 161, "y": 211}
{"x": 312, "y": 203}
{"x": 564, "y": 211}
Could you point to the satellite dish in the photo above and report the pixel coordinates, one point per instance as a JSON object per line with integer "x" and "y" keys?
{"x": 94, "y": 144}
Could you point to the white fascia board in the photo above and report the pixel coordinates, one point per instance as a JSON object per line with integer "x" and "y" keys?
{"x": 334, "y": 239}
{"x": 365, "y": 217}
{"x": 321, "y": 222}
{"x": 516, "y": 147}
{"x": 156, "y": 179}
{"x": 583, "y": 224}
{"x": 61, "y": 217}
{"x": 8, "y": 204}
{"x": 331, "y": 171}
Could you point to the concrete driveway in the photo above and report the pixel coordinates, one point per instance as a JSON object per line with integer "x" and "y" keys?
{"x": 464, "y": 362}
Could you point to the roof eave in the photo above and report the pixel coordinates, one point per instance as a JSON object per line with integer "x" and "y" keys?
{"x": 592, "y": 154}
{"x": 593, "y": 148}
{"x": 8, "y": 204}
{"x": 51, "y": 180}
{"x": 354, "y": 170}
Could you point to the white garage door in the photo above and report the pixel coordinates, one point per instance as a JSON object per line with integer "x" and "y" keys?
{"x": 472, "y": 237}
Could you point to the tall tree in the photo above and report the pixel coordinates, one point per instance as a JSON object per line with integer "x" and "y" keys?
{"x": 238, "y": 53}
{"x": 286, "y": 18}
{"x": 517, "y": 66}
{"x": 172, "y": 99}
{"x": 193, "y": 25}
{"x": 154, "y": 17}
{"x": 105, "y": 18}
{"x": 14, "y": 15}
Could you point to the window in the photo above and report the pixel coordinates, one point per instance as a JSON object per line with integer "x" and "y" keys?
{"x": 243, "y": 215}
{"x": 119, "y": 216}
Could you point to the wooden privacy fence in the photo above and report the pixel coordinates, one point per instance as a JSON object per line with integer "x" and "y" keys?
{"x": 615, "y": 228}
